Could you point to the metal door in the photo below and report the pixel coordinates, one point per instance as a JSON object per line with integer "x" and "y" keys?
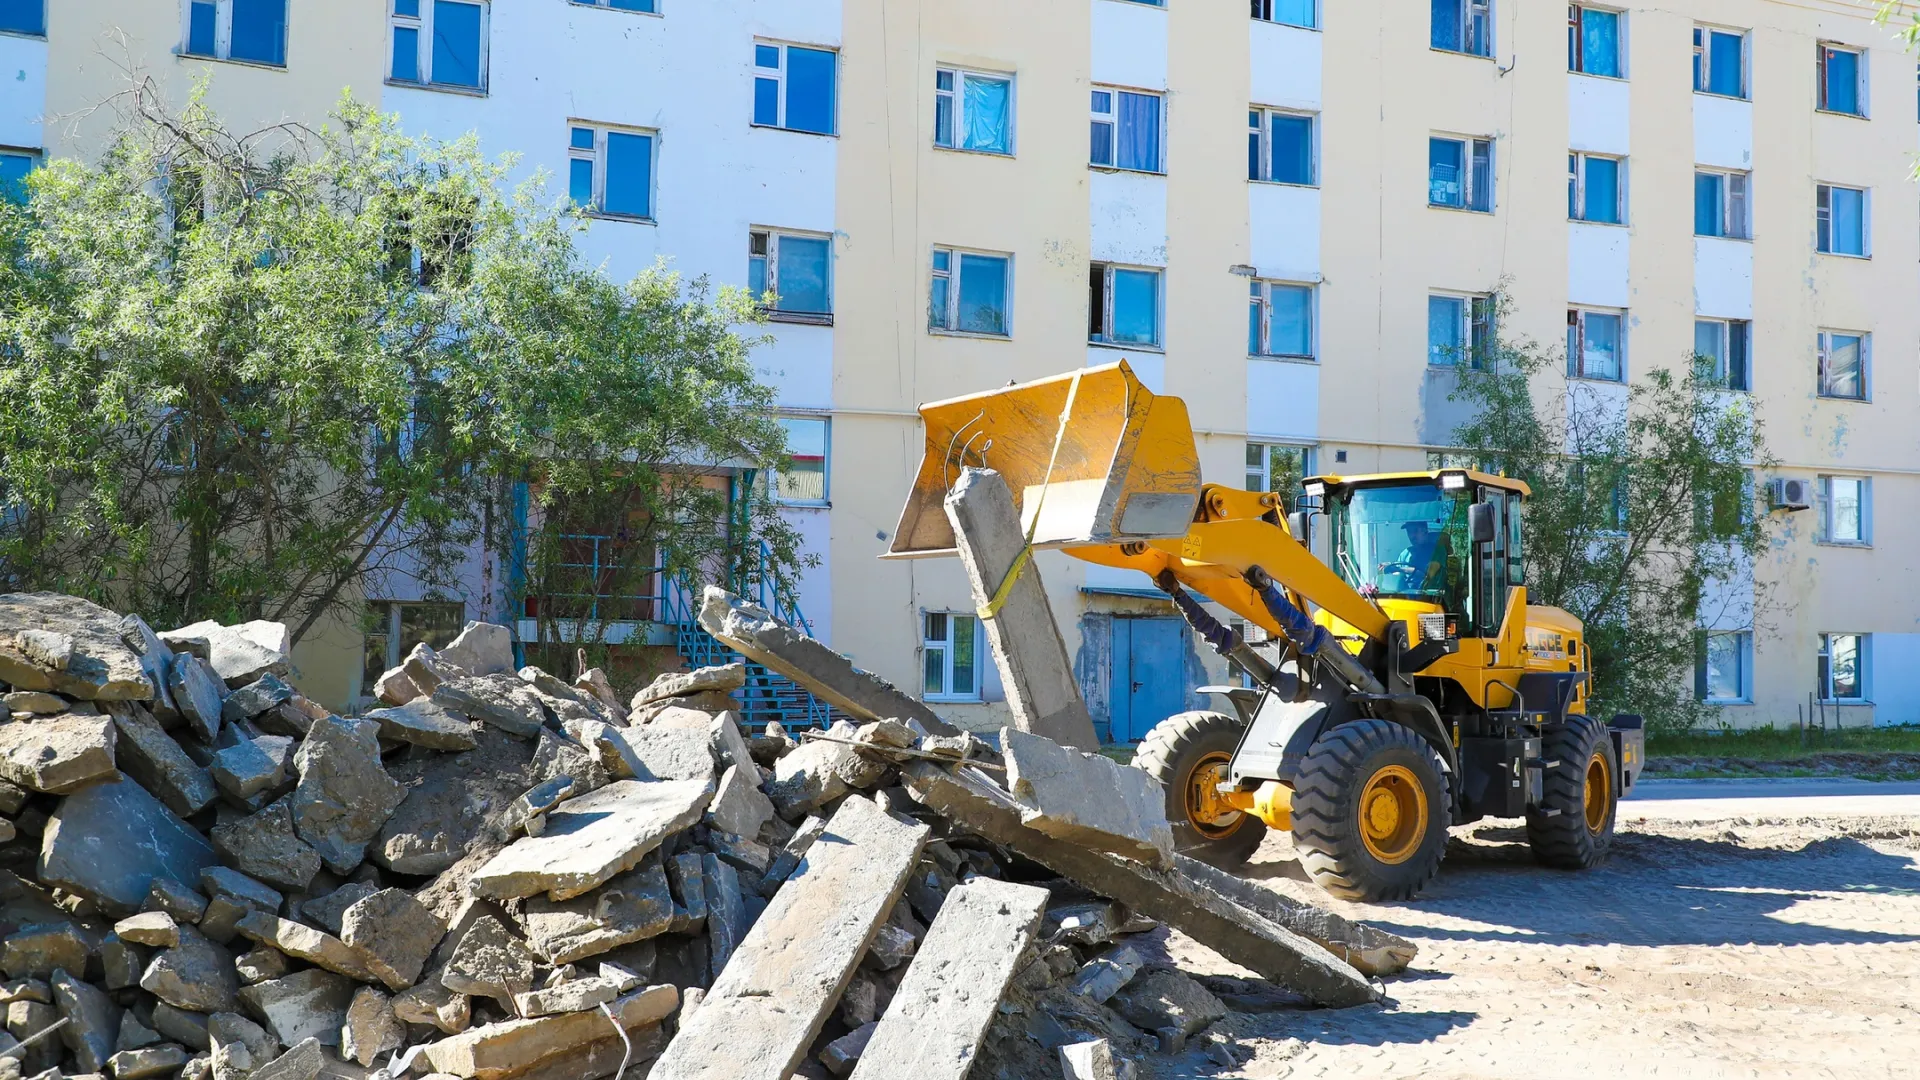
{"x": 1149, "y": 675}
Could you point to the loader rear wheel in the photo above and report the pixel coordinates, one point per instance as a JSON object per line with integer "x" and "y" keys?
{"x": 1370, "y": 811}
{"x": 1189, "y": 753}
{"x": 1572, "y": 828}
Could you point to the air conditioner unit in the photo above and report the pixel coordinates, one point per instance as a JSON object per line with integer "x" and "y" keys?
{"x": 1790, "y": 493}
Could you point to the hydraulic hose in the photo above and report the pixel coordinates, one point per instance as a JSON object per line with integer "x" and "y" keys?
{"x": 1225, "y": 640}
{"x": 1308, "y": 636}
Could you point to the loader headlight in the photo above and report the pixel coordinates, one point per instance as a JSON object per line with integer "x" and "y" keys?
{"x": 1315, "y": 490}
{"x": 1453, "y": 481}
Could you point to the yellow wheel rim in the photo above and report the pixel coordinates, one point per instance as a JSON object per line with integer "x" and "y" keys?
{"x": 1209, "y": 815}
{"x": 1393, "y": 814}
{"x": 1599, "y": 793}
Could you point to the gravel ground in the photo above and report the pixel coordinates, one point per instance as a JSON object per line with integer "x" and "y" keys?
{"x": 1734, "y": 948}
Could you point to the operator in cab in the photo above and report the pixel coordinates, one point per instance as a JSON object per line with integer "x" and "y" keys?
{"x": 1425, "y": 558}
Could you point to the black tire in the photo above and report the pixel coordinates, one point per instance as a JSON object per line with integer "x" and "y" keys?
{"x": 1567, "y": 830}
{"x": 1172, "y": 752}
{"x": 1355, "y": 763}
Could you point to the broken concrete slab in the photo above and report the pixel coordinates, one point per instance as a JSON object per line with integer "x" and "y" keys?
{"x": 1025, "y": 640}
{"x": 843, "y": 1053}
{"x": 306, "y": 1004}
{"x": 788, "y": 973}
{"x": 1371, "y": 950}
{"x": 422, "y": 669}
{"x": 255, "y": 698}
{"x": 371, "y": 1028}
{"x": 260, "y": 964}
{"x": 120, "y": 963}
{"x": 394, "y": 688}
{"x": 265, "y": 846}
{"x": 134, "y": 1034}
{"x": 155, "y": 928}
{"x": 724, "y": 679}
{"x": 951, "y": 994}
{"x": 631, "y": 907}
{"x": 689, "y": 885}
{"x": 480, "y": 649}
{"x": 239, "y": 654}
{"x": 726, "y": 910}
{"x": 198, "y": 693}
{"x": 57, "y": 754}
{"x": 754, "y": 632}
{"x": 501, "y": 699}
{"x": 75, "y": 644}
{"x": 144, "y": 751}
{"x": 1088, "y": 1061}
{"x": 395, "y": 932}
{"x": 428, "y": 1002}
{"x": 93, "y": 1020}
{"x": 187, "y": 1028}
{"x": 454, "y": 802}
{"x": 592, "y": 838}
{"x": 661, "y": 752}
{"x": 155, "y": 658}
{"x": 26, "y": 1019}
{"x": 223, "y": 883}
{"x": 515, "y": 1047}
{"x": 37, "y": 951}
{"x": 1087, "y": 799}
{"x": 344, "y": 795}
{"x": 146, "y": 1062}
{"x": 196, "y": 975}
{"x": 489, "y": 961}
{"x": 247, "y": 768}
{"x": 422, "y": 723}
{"x": 1165, "y": 998}
{"x": 1230, "y": 928}
{"x": 33, "y": 701}
{"x": 709, "y": 702}
{"x": 109, "y": 841}
{"x": 305, "y": 1061}
{"x": 305, "y": 943}
{"x": 329, "y": 911}
{"x": 811, "y": 777}
{"x": 576, "y": 996}
{"x": 739, "y": 806}
{"x": 1103, "y": 976}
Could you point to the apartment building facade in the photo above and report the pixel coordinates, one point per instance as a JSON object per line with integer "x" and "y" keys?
{"x": 1292, "y": 214}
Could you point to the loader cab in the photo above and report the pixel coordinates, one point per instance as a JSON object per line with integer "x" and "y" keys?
{"x": 1441, "y": 542}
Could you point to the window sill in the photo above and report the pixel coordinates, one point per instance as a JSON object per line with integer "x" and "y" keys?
{"x": 1845, "y": 255}
{"x": 1728, "y": 701}
{"x": 442, "y": 88}
{"x": 1008, "y": 154}
{"x": 1296, "y": 26}
{"x": 943, "y": 699}
{"x": 631, "y": 219}
{"x": 1836, "y": 112}
{"x": 1608, "y": 224}
{"x": 1852, "y": 400}
{"x": 42, "y": 36}
{"x": 826, "y": 504}
{"x": 1458, "y": 209}
{"x": 1126, "y": 346}
{"x": 799, "y": 318}
{"x": 1735, "y": 239}
{"x": 1724, "y": 97}
{"x": 796, "y": 131}
{"x": 1460, "y": 52}
{"x": 1591, "y": 75}
{"x": 1096, "y": 167}
{"x": 1845, "y": 701}
{"x": 261, "y": 64}
{"x": 1863, "y": 544}
{"x": 1314, "y": 186}
{"x": 968, "y": 334}
{"x": 622, "y": 11}
{"x": 1598, "y": 379}
{"x": 1480, "y": 368}
{"x": 1310, "y": 361}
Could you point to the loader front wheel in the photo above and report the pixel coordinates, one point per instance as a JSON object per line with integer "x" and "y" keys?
{"x": 1370, "y": 811}
{"x": 1572, "y": 828}
{"x": 1189, "y": 754}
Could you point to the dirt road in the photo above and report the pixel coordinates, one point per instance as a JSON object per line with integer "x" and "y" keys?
{"x": 1739, "y": 948}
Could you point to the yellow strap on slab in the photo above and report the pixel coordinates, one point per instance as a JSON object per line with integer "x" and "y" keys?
{"x": 1021, "y": 560}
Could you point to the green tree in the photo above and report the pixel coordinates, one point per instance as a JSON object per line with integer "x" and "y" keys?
{"x": 245, "y": 372}
{"x": 1643, "y": 496}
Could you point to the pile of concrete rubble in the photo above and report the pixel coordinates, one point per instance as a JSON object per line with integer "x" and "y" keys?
{"x": 503, "y": 874}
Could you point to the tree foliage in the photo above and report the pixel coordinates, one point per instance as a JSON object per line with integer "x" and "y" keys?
{"x": 247, "y": 374}
{"x": 1643, "y": 498}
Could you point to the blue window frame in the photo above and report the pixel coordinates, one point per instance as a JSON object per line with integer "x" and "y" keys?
{"x": 969, "y": 292}
{"x": 14, "y": 167}
{"x": 254, "y": 31}
{"x": 1459, "y": 331}
{"x": 650, "y": 7}
{"x": 1840, "y": 74}
{"x": 795, "y": 87}
{"x": 1290, "y": 12}
{"x": 440, "y": 43}
{"x": 1594, "y": 346}
{"x": 1280, "y": 147}
{"x": 973, "y": 111}
{"x": 1840, "y": 220}
{"x": 1720, "y": 204}
{"x": 1594, "y": 188}
{"x": 1280, "y": 320}
{"x": 1126, "y": 130}
{"x": 1124, "y": 306}
{"x": 1463, "y": 26}
{"x": 1719, "y": 62}
{"x": 24, "y": 17}
{"x": 1593, "y": 41}
{"x": 610, "y": 171}
{"x": 797, "y": 268}
{"x": 1460, "y": 173}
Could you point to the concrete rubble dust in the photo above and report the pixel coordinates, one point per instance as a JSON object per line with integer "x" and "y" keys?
{"x": 498, "y": 873}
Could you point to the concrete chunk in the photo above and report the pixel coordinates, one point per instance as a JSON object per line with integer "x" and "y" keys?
{"x": 423, "y": 723}
{"x": 109, "y": 841}
{"x": 726, "y": 679}
{"x": 515, "y": 1047}
{"x": 590, "y": 839}
{"x": 726, "y": 910}
{"x": 196, "y": 975}
{"x": 395, "y": 932}
{"x": 631, "y": 907}
{"x": 156, "y": 928}
{"x": 38, "y": 951}
{"x": 1173, "y": 896}
{"x": 502, "y": 700}
{"x": 767, "y": 1006}
{"x": 1087, "y": 799}
{"x": 489, "y": 961}
{"x": 1371, "y": 950}
{"x": 576, "y": 996}
{"x": 246, "y": 768}
{"x": 155, "y": 659}
{"x": 238, "y": 654}
{"x": 305, "y": 1061}
{"x": 661, "y": 752}
{"x": 75, "y": 644}
{"x": 951, "y": 994}
{"x": 738, "y": 805}
{"x": 93, "y": 1021}
{"x": 58, "y": 754}
{"x": 305, "y": 943}
{"x": 145, "y": 1062}
{"x": 199, "y": 694}
{"x": 753, "y": 631}
{"x": 371, "y": 1028}
{"x": 255, "y": 698}
{"x": 265, "y": 846}
{"x": 306, "y": 1004}
{"x": 344, "y": 794}
{"x": 480, "y": 649}
{"x": 1088, "y": 1061}
{"x": 145, "y": 752}
{"x": 1027, "y": 649}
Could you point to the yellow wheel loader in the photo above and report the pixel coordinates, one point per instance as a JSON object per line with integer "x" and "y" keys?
{"x": 1404, "y": 685}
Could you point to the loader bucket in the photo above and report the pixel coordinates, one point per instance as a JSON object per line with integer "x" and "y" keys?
{"x": 1125, "y": 469}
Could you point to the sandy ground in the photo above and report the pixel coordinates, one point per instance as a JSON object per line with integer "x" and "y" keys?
{"x": 1746, "y": 947}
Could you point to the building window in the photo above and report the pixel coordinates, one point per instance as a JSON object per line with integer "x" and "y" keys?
{"x": 651, "y": 7}
{"x": 1719, "y": 62}
{"x": 1460, "y": 331}
{"x": 795, "y": 87}
{"x": 1720, "y": 204}
{"x": 1460, "y": 173}
{"x": 1463, "y": 26}
{"x": 254, "y": 31}
{"x": 1595, "y": 345}
{"x": 1842, "y": 80}
{"x": 1842, "y": 667}
{"x": 1126, "y": 130}
{"x": 14, "y": 167}
{"x": 1279, "y": 467}
{"x": 1840, "y": 220}
{"x": 610, "y": 171}
{"x": 951, "y": 657}
{"x": 1593, "y": 41}
{"x": 1594, "y": 188}
{"x": 440, "y": 43}
{"x": 394, "y": 627}
{"x": 803, "y": 482}
{"x": 1280, "y": 146}
{"x": 1124, "y": 305}
{"x": 973, "y": 111}
{"x": 1843, "y": 363}
{"x": 797, "y": 268}
{"x": 1844, "y": 515}
{"x": 969, "y": 293}
{"x": 1723, "y": 667}
{"x": 1280, "y": 320}
{"x": 1290, "y": 12}
{"x": 1720, "y": 346}
{"x": 24, "y": 17}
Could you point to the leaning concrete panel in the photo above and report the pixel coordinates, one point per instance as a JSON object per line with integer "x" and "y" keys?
{"x": 1087, "y": 799}
{"x": 789, "y": 972}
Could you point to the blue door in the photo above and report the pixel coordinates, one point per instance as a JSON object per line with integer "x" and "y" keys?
{"x": 1149, "y": 675}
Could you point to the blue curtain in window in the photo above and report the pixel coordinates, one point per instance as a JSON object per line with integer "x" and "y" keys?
{"x": 803, "y": 275}
{"x": 1724, "y": 63}
{"x": 1707, "y": 210}
{"x": 13, "y": 177}
{"x": 629, "y": 174}
{"x": 1600, "y": 42}
{"x": 1136, "y": 307}
{"x": 1480, "y": 192}
{"x": 1293, "y": 12}
{"x": 1293, "y": 149}
{"x": 1445, "y": 317}
{"x": 1849, "y": 222}
{"x": 1843, "y": 81}
{"x": 24, "y": 16}
{"x": 456, "y": 43}
{"x": 200, "y": 28}
{"x": 1443, "y": 172}
{"x": 406, "y": 54}
{"x": 580, "y": 182}
{"x": 810, "y": 90}
{"x": 259, "y": 31}
{"x": 983, "y": 294}
{"x": 1602, "y": 191}
{"x": 1446, "y": 25}
{"x": 989, "y": 105}
{"x": 1291, "y": 321}
{"x": 1139, "y": 132}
